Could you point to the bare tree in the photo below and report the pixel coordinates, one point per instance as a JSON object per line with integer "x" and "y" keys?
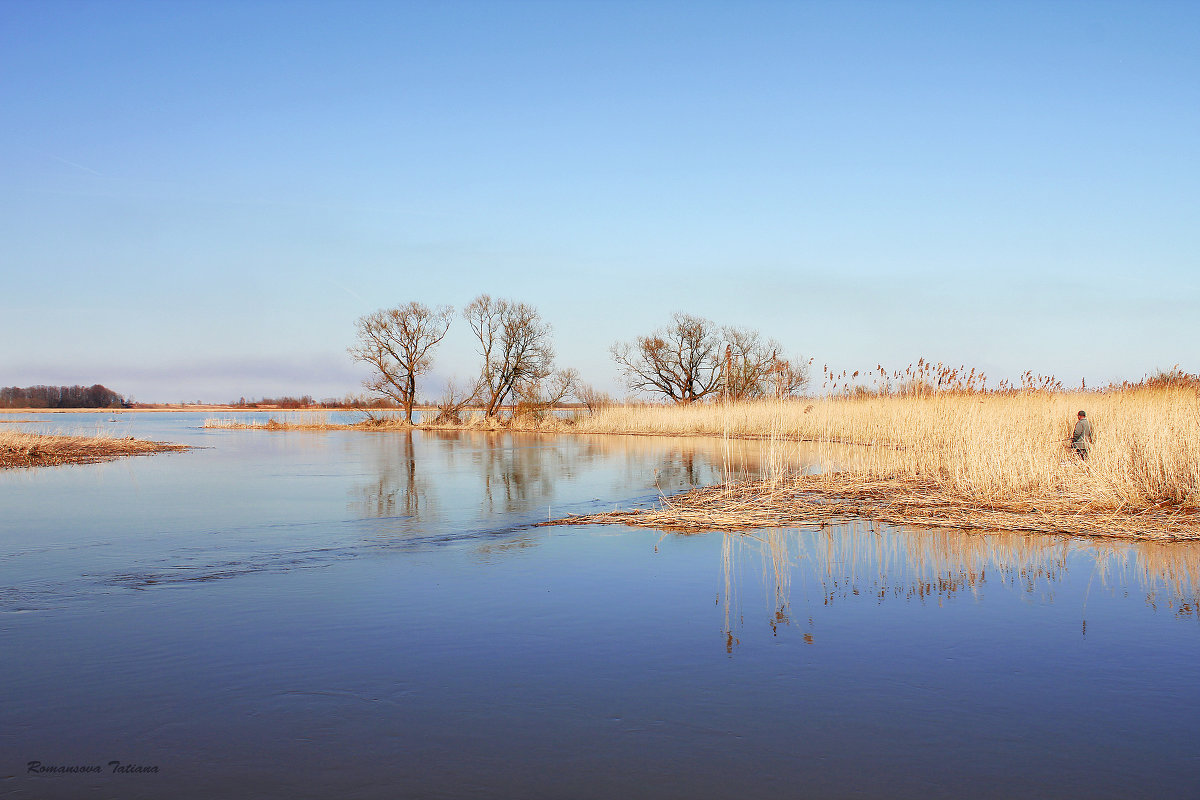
{"x": 755, "y": 367}
{"x": 396, "y": 342}
{"x": 691, "y": 359}
{"x": 682, "y": 361}
{"x": 593, "y": 398}
{"x": 455, "y": 397}
{"x": 788, "y": 378}
{"x": 535, "y": 398}
{"x": 515, "y": 344}
{"x": 551, "y": 391}
{"x": 748, "y": 361}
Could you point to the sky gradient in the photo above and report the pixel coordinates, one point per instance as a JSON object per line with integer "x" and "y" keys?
{"x": 198, "y": 199}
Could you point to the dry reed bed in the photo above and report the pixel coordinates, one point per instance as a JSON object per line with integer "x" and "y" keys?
{"x": 272, "y": 424}
{"x": 845, "y": 497}
{"x": 985, "y": 448}
{"x": 963, "y": 460}
{"x": 19, "y": 449}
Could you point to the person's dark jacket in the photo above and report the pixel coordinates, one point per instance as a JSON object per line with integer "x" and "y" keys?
{"x": 1081, "y": 439}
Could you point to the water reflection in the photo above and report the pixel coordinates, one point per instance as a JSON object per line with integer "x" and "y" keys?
{"x": 229, "y": 591}
{"x": 427, "y": 475}
{"x": 394, "y": 487}
{"x": 840, "y": 563}
{"x": 455, "y": 485}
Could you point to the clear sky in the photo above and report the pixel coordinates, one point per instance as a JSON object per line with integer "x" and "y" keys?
{"x": 198, "y": 199}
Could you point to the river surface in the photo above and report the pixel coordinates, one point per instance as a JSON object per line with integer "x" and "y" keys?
{"x": 374, "y": 615}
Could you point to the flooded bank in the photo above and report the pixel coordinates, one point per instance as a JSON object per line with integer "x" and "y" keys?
{"x": 339, "y": 614}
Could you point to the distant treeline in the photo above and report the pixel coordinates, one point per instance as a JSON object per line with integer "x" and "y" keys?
{"x": 307, "y": 401}
{"x": 60, "y": 397}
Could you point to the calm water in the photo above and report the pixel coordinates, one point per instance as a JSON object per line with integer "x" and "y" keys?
{"x": 373, "y": 616}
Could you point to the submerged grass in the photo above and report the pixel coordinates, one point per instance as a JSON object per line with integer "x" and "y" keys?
{"x": 841, "y": 497}
{"x": 20, "y": 449}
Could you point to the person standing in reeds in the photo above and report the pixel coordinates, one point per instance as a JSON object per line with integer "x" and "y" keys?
{"x": 1081, "y": 438}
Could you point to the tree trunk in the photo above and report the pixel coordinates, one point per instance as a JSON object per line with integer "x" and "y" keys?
{"x": 410, "y": 397}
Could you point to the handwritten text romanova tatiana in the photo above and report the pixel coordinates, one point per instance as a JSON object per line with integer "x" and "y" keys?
{"x": 115, "y": 767}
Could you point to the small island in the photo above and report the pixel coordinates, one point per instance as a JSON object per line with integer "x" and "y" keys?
{"x": 19, "y": 449}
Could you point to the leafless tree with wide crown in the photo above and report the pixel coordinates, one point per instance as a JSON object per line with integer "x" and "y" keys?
{"x": 691, "y": 358}
{"x": 682, "y": 361}
{"x": 514, "y": 342}
{"x": 396, "y": 343}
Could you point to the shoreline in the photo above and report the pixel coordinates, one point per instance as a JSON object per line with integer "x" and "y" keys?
{"x": 791, "y": 500}
{"x": 216, "y": 407}
{"x": 967, "y": 461}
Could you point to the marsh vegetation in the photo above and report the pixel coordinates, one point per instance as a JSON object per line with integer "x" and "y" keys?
{"x": 994, "y": 460}
{"x": 959, "y": 459}
{"x": 22, "y": 449}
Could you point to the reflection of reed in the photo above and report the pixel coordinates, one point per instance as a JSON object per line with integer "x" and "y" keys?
{"x": 1168, "y": 574}
{"x": 865, "y": 560}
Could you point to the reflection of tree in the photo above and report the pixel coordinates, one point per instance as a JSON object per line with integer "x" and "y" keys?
{"x": 519, "y": 469}
{"x": 883, "y": 564}
{"x": 672, "y": 464}
{"x": 681, "y": 463}
{"x": 684, "y": 470}
{"x": 395, "y": 489}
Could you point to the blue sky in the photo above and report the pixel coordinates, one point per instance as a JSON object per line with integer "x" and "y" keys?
{"x": 198, "y": 199}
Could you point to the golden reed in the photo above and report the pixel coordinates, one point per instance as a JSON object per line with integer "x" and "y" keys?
{"x": 957, "y": 459}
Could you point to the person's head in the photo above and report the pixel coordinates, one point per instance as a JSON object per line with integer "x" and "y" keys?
{"x": 1082, "y": 415}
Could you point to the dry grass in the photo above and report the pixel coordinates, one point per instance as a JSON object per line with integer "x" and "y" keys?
{"x": 960, "y": 460}
{"x": 842, "y": 497}
{"x": 19, "y": 449}
{"x": 985, "y": 448}
{"x": 280, "y": 421}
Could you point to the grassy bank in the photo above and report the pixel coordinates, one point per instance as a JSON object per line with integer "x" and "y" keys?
{"x": 18, "y": 449}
